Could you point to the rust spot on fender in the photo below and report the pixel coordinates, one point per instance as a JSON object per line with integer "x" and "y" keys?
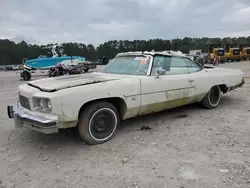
{"x": 67, "y": 124}
{"x": 64, "y": 122}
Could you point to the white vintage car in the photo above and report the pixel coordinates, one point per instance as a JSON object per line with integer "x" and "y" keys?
{"x": 132, "y": 84}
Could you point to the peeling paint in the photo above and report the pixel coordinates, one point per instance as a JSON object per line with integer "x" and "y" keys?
{"x": 43, "y": 86}
{"x": 62, "y": 117}
{"x": 183, "y": 93}
{"x": 130, "y": 113}
{"x": 156, "y": 107}
{"x": 67, "y": 124}
{"x": 63, "y": 120}
{"x": 159, "y": 106}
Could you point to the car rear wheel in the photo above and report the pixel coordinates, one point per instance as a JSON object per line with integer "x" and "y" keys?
{"x": 98, "y": 123}
{"x": 212, "y": 98}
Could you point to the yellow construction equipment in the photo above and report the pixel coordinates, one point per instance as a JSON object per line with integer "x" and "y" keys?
{"x": 215, "y": 50}
{"x": 232, "y": 53}
{"x": 245, "y": 51}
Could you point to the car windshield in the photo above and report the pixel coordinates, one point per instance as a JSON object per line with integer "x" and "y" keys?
{"x": 130, "y": 65}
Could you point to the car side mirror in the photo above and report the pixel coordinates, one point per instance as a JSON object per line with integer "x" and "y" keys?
{"x": 160, "y": 72}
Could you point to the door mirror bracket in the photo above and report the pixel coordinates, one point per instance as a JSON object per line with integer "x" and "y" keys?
{"x": 159, "y": 72}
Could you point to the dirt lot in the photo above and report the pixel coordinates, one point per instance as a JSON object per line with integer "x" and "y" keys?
{"x": 187, "y": 147}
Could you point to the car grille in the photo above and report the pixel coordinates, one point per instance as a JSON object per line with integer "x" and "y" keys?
{"x": 24, "y": 102}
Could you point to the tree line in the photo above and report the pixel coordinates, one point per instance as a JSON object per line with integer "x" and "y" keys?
{"x": 12, "y": 53}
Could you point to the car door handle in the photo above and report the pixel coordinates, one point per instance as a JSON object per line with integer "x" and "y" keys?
{"x": 190, "y": 81}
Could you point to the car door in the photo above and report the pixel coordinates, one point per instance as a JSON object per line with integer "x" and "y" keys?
{"x": 166, "y": 91}
{"x": 199, "y": 78}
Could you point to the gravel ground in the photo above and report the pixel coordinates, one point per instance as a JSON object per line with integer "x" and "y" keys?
{"x": 187, "y": 147}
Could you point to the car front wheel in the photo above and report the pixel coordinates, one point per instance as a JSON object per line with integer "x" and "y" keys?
{"x": 212, "y": 98}
{"x": 98, "y": 123}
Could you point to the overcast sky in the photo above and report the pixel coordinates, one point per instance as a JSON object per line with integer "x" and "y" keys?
{"x": 97, "y": 21}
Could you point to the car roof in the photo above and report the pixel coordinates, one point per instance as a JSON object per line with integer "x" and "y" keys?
{"x": 166, "y": 53}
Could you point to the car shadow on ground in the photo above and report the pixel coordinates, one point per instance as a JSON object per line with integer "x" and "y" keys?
{"x": 69, "y": 137}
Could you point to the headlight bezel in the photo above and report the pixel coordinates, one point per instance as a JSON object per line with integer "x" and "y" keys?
{"x": 42, "y": 104}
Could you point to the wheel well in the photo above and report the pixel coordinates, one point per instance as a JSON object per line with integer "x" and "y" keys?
{"x": 223, "y": 88}
{"x": 119, "y": 103}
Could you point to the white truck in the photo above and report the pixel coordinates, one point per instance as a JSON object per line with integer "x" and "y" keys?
{"x": 195, "y": 52}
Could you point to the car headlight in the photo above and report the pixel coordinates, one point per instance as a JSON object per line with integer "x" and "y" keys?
{"x": 42, "y": 104}
{"x": 49, "y": 104}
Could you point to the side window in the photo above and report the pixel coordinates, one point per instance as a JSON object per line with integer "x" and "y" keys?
{"x": 172, "y": 65}
{"x": 178, "y": 66}
{"x": 161, "y": 62}
{"x": 192, "y": 66}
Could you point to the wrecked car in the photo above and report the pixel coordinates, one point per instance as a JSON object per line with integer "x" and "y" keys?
{"x": 132, "y": 84}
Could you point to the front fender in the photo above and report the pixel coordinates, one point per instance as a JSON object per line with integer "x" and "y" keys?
{"x": 72, "y": 99}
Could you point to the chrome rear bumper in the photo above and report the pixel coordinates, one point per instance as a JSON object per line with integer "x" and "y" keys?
{"x": 242, "y": 83}
{"x": 236, "y": 86}
{"x": 23, "y": 118}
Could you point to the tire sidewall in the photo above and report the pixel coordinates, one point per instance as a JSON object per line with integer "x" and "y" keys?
{"x": 209, "y": 100}
{"x": 91, "y": 119}
{"x": 85, "y": 121}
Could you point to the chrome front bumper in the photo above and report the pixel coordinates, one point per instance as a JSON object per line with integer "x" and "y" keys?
{"x": 37, "y": 123}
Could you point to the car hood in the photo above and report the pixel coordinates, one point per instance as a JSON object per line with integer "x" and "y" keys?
{"x": 63, "y": 82}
